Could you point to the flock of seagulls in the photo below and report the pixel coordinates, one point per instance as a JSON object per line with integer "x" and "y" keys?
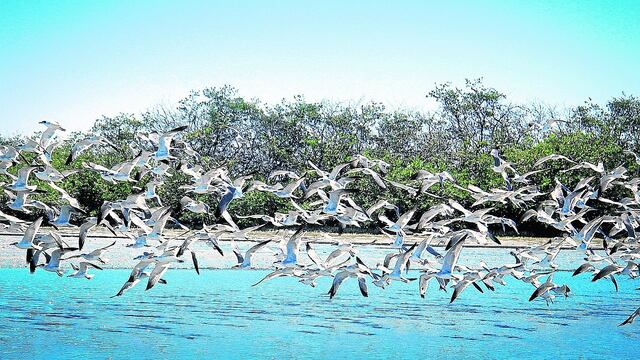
{"x": 319, "y": 197}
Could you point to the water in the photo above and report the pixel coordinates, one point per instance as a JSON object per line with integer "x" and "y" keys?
{"x": 219, "y": 315}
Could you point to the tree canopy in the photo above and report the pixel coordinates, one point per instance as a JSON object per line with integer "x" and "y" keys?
{"x": 251, "y": 137}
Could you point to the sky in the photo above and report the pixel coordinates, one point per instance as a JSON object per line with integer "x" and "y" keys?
{"x": 74, "y": 61}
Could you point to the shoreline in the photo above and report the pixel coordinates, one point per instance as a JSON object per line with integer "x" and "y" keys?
{"x": 372, "y": 248}
{"x": 377, "y": 240}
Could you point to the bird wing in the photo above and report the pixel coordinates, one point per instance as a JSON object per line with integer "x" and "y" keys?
{"x": 544, "y": 287}
{"x": 403, "y": 220}
{"x": 31, "y": 231}
{"x": 158, "y": 227}
{"x": 84, "y": 265}
{"x": 362, "y": 284}
{"x": 255, "y": 248}
{"x": 458, "y": 289}
{"x": 194, "y": 259}
{"x": 337, "y": 280}
{"x": 236, "y": 252}
{"x": 156, "y": 274}
{"x": 606, "y": 271}
{"x": 456, "y": 205}
{"x": 451, "y": 257}
{"x": 314, "y": 256}
{"x": 424, "y": 283}
{"x": 336, "y": 170}
{"x": 631, "y": 318}
{"x": 106, "y": 247}
{"x": 274, "y": 274}
{"x": 224, "y": 202}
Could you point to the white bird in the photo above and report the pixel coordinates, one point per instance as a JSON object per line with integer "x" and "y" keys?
{"x": 81, "y": 272}
{"x": 29, "y": 235}
{"x": 140, "y": 271}
{"x": 95, "y": 255}
{"x": 162, "y": 264}
{"x": 21, "y": 183}
{"x": 63, "y": 218}
{"x": 446, "y": 271}
{"x": 53, "y": 265}
{"x": 400, "y": 267}
{"x": 49, "y": 132}
{"x": 244, "y": 262}
{"x": 293, "y": 243}
{"x": 194, "y": 206}
{"x": 81, "y": 146}
{"x": 164, "y": 143}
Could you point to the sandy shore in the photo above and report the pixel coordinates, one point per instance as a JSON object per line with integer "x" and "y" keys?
{"x": 317, "y": 237}
{"x": 120, "y": 256}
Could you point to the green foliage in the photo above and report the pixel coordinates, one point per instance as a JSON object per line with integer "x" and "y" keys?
{"x": 251, "y": 138}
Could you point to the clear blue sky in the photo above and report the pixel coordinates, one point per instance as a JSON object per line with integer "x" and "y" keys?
{"x": 72, "y": 61}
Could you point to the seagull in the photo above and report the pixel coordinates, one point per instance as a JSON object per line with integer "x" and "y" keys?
{"x": 412, "y": 191}
{"x": 283, "y": 173}
{"x": 287, "y": 191}
{"x": 232, "y": 192}
{"x": 344, "y": 274}
{"x": 401, "y": 266}
{"x": 81, "y": 272}
{"x": 194, "y": 206}
{"x": 374, "y": 175}
{"x": 313, "y": 256}
{"x": 244, "y": 262}
{"x": 63, "y": 218}
{"x": 164, "y": 143}
{"x": 162, "y": 264}
{"x": 49, "y": 174}
{"x": 8, "y": 154}
{"x": 584, "y": 208}
{"x": 334, "y": 200}
{"x": 544, "y": 290}
{"x": 552, "y": 157}
{"x": 84, "y": 144}
{"x": 469, "y": 278}
{"x": 608, "y": 270}
{"x": 585, "y": 235}
{"x": 49, "y": 132}
{"x": 203, "y": 236}
{"x": 95, "y": 255}
{"x": 429, "y": 215}
{"x": 287, "y": 271}
{"x": 73, "y": 202}
{"x": 202, "y": 182}
{"x": 291, "y": 258}
{"x": 139, "y": 272}
{"x": 382, "y": 204}
{"x": 446, "y": 271}
{"x": 21, "y": 182}
{"x": 53, "y": 265}
{"x": 29, "y": 235}
{"x": 151, "y": 193}
{"x": 583, "y": 268}
{"x": 399, "y": 226}
{"x": 90, "y": 223}
{"x": 423, "y": 246}
{"x": 10, "y": 218}
{"x": 343, "y": 249}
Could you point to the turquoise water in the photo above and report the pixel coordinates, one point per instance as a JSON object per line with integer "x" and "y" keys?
{"x": 219, "y": 315}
